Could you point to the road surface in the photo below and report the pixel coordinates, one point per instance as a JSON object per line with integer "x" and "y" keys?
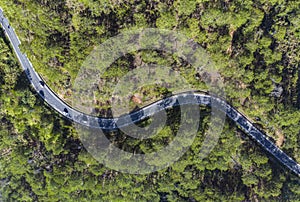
{"x": 114, "y": 123}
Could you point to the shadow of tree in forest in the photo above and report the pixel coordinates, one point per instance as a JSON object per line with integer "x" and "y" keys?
{"x": 22, "y": 82}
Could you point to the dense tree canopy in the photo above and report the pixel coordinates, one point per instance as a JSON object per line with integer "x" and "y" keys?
{"x": 255, "y": 47}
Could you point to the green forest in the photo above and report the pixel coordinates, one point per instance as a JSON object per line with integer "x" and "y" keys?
{"x": 255, "y": 46}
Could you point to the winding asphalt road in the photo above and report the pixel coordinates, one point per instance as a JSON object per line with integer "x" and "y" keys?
{"x": 114, "y": 123}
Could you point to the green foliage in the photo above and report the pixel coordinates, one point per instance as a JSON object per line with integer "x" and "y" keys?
{"x": 167, "y": 20}
{"x": 252, "y": 44}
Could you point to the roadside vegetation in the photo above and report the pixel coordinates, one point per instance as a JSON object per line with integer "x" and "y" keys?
{"x": 255, "y": 46}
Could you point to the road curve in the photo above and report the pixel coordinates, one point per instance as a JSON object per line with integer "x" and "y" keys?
{"x": 114, "y": 123}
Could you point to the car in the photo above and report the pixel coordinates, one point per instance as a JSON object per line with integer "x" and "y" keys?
{"x": 42, "y": 83}
{"x": 66, "y": 112}
{"x": 84, "y": 119}
{"x": 41, "y": 92}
